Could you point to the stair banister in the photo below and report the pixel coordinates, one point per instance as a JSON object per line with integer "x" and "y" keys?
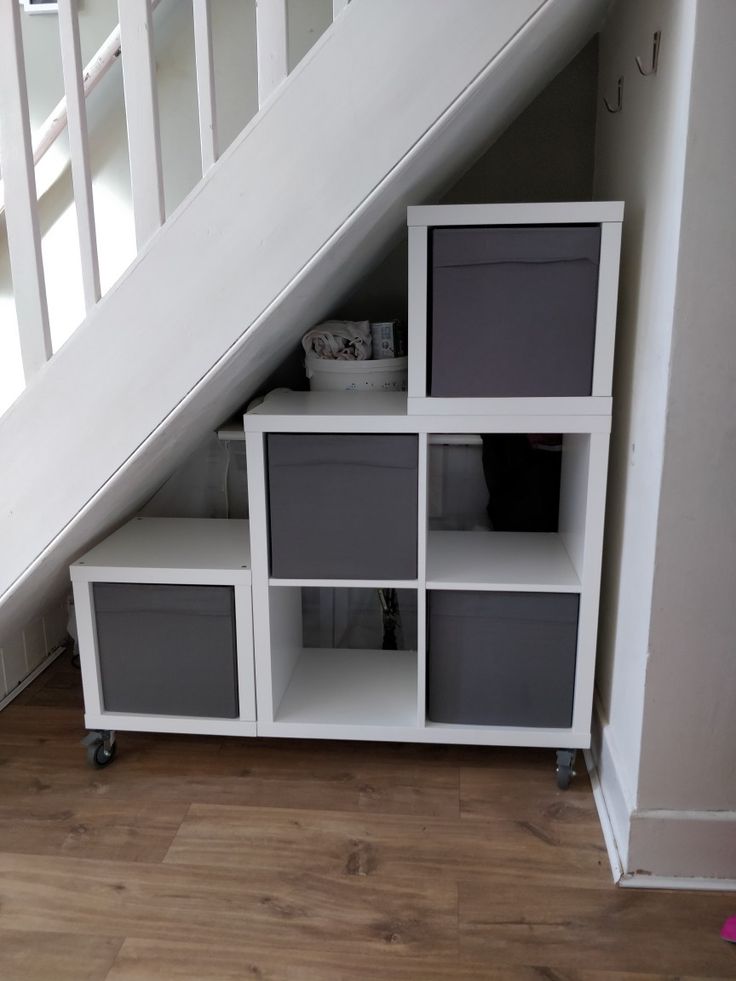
{"x": 271, "y": 41}
{"x": 141, "y": 113}
{"x": 71, "y": 62}
{"x": 21, "y": 213}
{"x": 205, "y": 68}
{"x": 132, "y": 41}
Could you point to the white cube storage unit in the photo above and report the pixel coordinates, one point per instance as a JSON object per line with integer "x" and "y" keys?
{"x": 479, "y": 495}
{"x": 164, "y": 621}
{"x": 329, "y": 695}
{"x": 512, "y": 307}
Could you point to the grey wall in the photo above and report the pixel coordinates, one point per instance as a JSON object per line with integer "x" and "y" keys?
{"x": 545, "y": 155}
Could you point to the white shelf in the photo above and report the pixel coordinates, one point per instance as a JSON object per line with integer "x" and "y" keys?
{"x": 346, "y": 412}
{"x": 352, "y": 687}
{"x": 561, "y": 407}
{"x": 500, "y": 560}
{"x": 347, "y": 583}
{"x": 525, "y": 213}
{"x": 441, "y": 732}
{"x": 193, "y": 546}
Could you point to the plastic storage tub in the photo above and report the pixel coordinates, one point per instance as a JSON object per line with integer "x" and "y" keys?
{"x": 513, "y": 310}
{"x": 167, "y": 649}
{"x": 381, "y": 375}
{"x": 501, "y": 658}
{"x": 342, "y": 506}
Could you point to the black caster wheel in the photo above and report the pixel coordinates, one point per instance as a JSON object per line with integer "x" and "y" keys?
{"x": 100, "y": 746}
{"x": 565, "y": 767}
{"x": 564, "y": 777}
{"x": 98, "y": 756}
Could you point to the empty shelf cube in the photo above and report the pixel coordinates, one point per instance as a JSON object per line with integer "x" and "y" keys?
{"x": 167, "y": 649}
{"x": 342, "y": 506}
{"x": 503, "y": 659}
{"x": 513, "y": 310}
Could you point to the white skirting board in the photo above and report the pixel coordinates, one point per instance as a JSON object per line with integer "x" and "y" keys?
{"x": 676, "y": 882}
{"x": 604, "y": 817}
{"x": 49, "y": 659}
{"x": 708, "y": 836}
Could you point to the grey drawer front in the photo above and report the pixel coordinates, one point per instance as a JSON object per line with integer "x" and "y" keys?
{"x": 167, "y": 649}
{"x": 513, "y": 310}
{"x": 501, "y": 658}
{"x": 342, "y": 506}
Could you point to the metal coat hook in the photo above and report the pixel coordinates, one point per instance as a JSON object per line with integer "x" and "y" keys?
{"x": 619, "y": 97}
{"x": 655, "y": 56}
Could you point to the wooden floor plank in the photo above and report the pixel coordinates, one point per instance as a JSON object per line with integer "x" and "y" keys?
{"x": 670, "y": 933}
{"x": 119, "y": 830}
{"x": 525, "y": 792}
{"x": 219, "y": 906}
{"x": 383, "y": 846}
{"x": 55, "y": 957}
{"x": 141, "y": 960}
{"x": 150, "y": 961}
{"x": 209, "y": 859}
{"x": 157, "y": 769}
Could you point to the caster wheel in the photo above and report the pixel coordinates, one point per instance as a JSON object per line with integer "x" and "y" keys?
{"x": 565, "y": 767}
{"x": 564, "y": 777}
{"x": 98, "y": 756}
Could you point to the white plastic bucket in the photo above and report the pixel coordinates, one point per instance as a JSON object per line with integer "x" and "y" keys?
{"x": 384, "y": 375}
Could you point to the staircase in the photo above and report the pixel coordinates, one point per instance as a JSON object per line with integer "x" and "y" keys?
{"x": 395, "y": 98}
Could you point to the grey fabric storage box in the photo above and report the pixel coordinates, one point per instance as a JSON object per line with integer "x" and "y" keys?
{"x": 513, "y": 310}
{"x": 343, "y": 506}
{"x": 501, "y": 658}
{"x": 167, "y": 649}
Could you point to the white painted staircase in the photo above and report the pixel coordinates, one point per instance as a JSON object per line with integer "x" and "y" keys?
{"x": 397, "y": 96}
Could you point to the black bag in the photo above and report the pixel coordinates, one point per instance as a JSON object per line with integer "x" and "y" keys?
{"x": 522, "y": 474}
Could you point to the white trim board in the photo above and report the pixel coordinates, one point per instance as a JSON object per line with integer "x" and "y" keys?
{"x": 676, "y": 882}
{"x": 683, "y": 844}
{"x": 21, "y": 686}
{"x": 664, "y": 849}
{"x": 618, "y": 803}
{"x": 604, "y": 817}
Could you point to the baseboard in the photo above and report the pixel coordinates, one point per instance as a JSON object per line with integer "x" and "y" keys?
{"x": 637, "y": 881}
{"x": 615, "y": 807}
{"x": 604, "y": 817}
{"x": 694, "y": 845}
{"x": 49, "y": 659}
{"x": 658, "y": 849}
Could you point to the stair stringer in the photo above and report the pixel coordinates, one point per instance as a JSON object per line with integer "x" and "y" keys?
{"x": 321, "y": 178}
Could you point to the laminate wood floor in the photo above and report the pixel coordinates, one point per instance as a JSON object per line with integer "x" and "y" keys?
{"x": 207, "y": 859}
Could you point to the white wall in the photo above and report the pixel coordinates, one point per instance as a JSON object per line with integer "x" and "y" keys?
{"x": 687, "y": 777}
{"x": 666, "y": 679}
{"x": 640, "y": 157}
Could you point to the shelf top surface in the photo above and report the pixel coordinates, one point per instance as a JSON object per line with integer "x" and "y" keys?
{"x": 500, "y": 560}
{"x": 358, "y": 687}
{"x": 335, "y": 405}
{"x": 173, "y": 543}
{"x": 531, "y": 213}
{"x": 390, "y": 412}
